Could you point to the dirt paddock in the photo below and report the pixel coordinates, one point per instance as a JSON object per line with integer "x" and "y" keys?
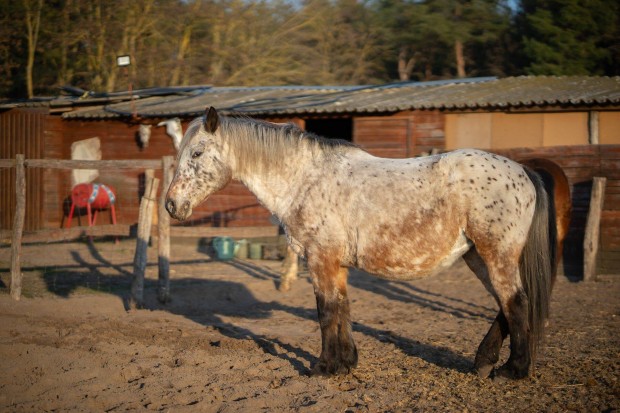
{"x": 230, "y": 342}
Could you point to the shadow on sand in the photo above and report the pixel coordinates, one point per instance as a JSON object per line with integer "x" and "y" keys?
{"x": 220, "y": 298}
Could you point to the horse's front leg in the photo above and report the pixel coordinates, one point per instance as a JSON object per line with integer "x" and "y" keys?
{"x": 338, "y": 353}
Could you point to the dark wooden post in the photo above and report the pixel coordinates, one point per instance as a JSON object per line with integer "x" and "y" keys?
{"x": 145, "y": 220}
{"x": 163, "y": 226}
{"x": 18, "y": 228}
{"x": 590, "y": 242}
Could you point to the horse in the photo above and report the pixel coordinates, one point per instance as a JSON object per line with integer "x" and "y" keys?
{"x": 399, "y": 219}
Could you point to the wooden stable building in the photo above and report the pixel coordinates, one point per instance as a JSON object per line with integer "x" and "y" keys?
{"x": 574, "y": 121}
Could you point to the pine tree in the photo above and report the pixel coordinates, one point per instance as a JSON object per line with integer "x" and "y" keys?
{"x": 568, "y": 37}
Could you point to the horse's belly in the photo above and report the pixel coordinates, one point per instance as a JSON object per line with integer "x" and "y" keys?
{"x": 408, "y": 260}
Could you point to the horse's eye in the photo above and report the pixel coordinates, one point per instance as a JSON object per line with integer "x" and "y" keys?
{"x": 196, "y": 154}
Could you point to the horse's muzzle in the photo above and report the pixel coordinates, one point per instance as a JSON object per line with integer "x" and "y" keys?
{"x": 178, "y": 212}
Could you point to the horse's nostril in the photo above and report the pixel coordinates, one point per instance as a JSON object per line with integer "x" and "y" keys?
{"x": 170, "y": 207}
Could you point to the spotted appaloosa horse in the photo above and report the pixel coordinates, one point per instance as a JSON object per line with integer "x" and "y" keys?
{"x": 398, "y": 218}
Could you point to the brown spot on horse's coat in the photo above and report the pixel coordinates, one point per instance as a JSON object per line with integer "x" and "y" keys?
{"x": 419, "y": 232}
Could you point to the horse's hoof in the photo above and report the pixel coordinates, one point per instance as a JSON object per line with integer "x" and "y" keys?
{"x": 318, "y": 371}
{"x": 484, "y": 371}
{"x": 500, "y": 379}
{"x": 284, "y": 287}
{"x": 507, "y": 372}
{"x": 322, "y": 369}
{"x": 164, "y": 298}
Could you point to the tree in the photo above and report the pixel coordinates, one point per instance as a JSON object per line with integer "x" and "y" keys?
{"x": 401, "y": 34}
{"x": 568, "y": 37}
{"x": 251, "y": 43}
{"x": 441, "y": 38}
{"x": 46, "y": 44}
{"x": 184, "y": 43}
{"x": 339, "y": 42}
{"x": 62, "y": 35}
{"x": 467, "y": 24}
{"x": 11, "y": 50}
{"x": 32, "y": 20}
{"x": 488, "y": 48}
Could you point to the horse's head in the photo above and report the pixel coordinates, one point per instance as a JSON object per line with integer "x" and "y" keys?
{"x": 201, "y": 169}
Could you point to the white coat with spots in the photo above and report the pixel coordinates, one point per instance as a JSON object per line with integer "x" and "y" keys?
{"x": 397, "y": 218}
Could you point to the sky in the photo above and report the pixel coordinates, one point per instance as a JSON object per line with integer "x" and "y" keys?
{"x": 513, "y": 4}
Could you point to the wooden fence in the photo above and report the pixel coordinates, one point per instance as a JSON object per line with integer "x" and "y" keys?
{"x": 163, "y": 230}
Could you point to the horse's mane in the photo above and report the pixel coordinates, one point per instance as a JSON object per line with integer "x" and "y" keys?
{"x": 260, "y": 144}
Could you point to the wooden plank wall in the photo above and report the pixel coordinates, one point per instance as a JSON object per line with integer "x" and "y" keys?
{"x": 581, "y": 164}
{"x": 428, "y": 131}
{"x": 402, "y": 135}
{"x": 119, "y": 140}
{"x": 385, "y": 137}
{"x": 22, "y": 131}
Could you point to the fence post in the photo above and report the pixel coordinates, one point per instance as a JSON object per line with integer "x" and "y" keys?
{"x": 590, "y": 242}
{"x": 163, "y": 239}
{"x": 18, "y": 228}
{"x": 145, "y": 220}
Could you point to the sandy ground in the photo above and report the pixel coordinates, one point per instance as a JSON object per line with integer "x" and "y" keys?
{"x": 230, "y": 342}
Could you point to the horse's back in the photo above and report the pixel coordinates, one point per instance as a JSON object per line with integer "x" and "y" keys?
{"x": 416, "y": 216}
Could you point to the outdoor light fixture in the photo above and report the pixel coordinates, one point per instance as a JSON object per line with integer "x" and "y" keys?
{"x": 122, "y": 61}
{"x": 125, "y": 61}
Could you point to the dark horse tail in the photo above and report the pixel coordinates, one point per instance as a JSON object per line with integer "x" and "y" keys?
{"x": 538, "y": 261}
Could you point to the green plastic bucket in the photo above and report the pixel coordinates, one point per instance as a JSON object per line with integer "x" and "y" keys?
{"x": 224, "y": 248}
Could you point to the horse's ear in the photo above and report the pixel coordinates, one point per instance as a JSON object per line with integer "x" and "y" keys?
{"x": 212, "y": 120}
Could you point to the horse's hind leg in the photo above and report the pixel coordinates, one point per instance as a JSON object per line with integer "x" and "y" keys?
{"x": 338, "y": 353}
{"x": 290, "y": 269}
{"x": 515, "y": 307}
{"x": 503, "y": 281}
{"x": 488, "y": 350}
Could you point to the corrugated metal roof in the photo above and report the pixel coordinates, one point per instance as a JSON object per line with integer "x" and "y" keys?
{"x": 226, "y": 99}
{"x": 463, "y": 94}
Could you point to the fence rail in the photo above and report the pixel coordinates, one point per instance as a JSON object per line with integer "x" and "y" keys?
{"x": 7, "y": 163}
{"x": 70, "y": 234}
{"x": 101, "y": 165}
{"x": 80, "y": 164}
